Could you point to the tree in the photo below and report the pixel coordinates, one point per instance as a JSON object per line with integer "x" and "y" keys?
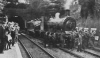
{"x": 37, "y": 8}
{"x": 87, "y": 8}
{"x": 40, "y": 7}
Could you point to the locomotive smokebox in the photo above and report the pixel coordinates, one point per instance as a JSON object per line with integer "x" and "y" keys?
{"x": 67, "y": 12}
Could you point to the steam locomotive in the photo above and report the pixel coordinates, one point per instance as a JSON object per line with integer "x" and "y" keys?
{"x": 57, "y": 31}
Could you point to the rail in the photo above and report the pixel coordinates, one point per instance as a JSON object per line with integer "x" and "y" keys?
{"x": 91, "y": 53}
{"x": 28, "y": 53}
{"x": 39, "y": 47}
{"x": 78, "y": 56}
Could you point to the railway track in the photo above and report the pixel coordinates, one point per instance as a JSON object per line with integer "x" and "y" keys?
{"x": 33, "y": 50}
{"x": 96, "y": 49}
{"x": 85, "y": 54}
{"x": 57, "y": 50}
{"x": 67, "y": 51}
{"x": 92, "y": 52}
{"x": 28, "y": 53}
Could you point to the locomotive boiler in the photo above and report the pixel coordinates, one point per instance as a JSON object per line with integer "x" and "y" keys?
{"x": 56, "y": 24}
{"x": 59, "y": 30}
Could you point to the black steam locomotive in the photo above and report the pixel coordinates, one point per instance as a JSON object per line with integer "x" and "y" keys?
{"x": 57, "y": 32}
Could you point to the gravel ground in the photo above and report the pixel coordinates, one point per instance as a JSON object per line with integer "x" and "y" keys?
{"x": 54, "y": 51}
{"x": 60, "y": 54}
{"x": 83, "y": 54}
{"x": 34, "y": 50}
{"x": 92, "y": 51}
{"x": 97, "y": 48}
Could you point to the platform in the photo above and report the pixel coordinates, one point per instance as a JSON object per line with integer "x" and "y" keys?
{"x": 14, "y": 52}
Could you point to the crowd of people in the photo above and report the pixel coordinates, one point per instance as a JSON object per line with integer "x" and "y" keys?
{"x": 9, "y": 32}
{"x": 78, "y": 39}
{"x": 84, "y": 39}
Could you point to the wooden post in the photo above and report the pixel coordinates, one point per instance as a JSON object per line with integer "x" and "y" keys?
{"x": 25, "y": 24}
{"x": 6, "y": 19}
{"x": 42, "y": 24}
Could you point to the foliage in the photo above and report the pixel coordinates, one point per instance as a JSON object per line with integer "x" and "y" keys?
{"x": 36, "y": 8}
{"x": 87, "y": 8}
{"x": 97, "y": 10}
{"x": 20, "y": 5}
{"x": 40, "y": 7}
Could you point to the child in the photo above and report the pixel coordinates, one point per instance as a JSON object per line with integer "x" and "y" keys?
{"x": 9, "y": 40}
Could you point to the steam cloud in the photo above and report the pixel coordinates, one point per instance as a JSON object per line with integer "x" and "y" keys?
{"x": 67, "y": 4}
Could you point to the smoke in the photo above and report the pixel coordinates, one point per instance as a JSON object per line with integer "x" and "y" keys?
{"x": 67, "y": 4}
{"x": 57, "y": 15}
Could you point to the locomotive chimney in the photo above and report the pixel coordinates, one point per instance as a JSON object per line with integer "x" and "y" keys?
{"x": 67, "y": 6}
{"x": 67, "y": 12}
{"x": 57, "y": 15}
